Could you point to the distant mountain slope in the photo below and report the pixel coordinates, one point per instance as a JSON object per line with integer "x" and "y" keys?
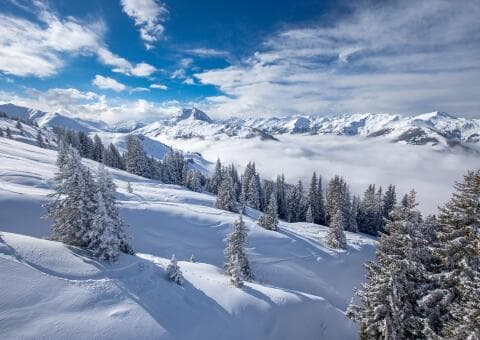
{"x": 436, "y": 128}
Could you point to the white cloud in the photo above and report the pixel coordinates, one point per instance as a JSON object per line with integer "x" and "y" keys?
{"x": 189, "y": 81}
{"x": 89, "y": 105}
{"x": 106, "y": 83}
{"x": 207, "y": 52}
{"x": 403, "y": 57}
{"x": 179, "y": 74}
{"x": 159, "y": 87}
{"x": 139, "y": 89}
{"x": 361, "y": 161}
{"x": 29, "y": 48}
{"x": 149, "y": 16}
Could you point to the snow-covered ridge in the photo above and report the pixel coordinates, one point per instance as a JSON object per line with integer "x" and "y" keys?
{"x": 435, "y": 128}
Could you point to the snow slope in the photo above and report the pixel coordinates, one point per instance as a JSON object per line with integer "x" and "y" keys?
{"x": 300, "y": 292}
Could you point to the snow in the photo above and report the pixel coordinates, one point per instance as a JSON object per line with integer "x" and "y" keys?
{"x": 301, "y": 288}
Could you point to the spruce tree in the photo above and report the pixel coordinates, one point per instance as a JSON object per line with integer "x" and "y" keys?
{"x": 269, "y": 220}
{"x": 390, "y": 308}
{"x": 235, "y": 256}
{"x": 321, "y": 215}
{"x": 40, "y": 142}
{"x": 174, "y": 273}
{"x": 458, "y": 280}
{"x": 336, "y": 236}
{"x": 98, "y": 149}
{"x": 312, "y": 200}
{"x": 217, "y": 179}
{"x": 280, "y": 190}
{"x": 73, "y": 207}
{"x": 8, "y": 133}
{"x": 226, "y": 198}
{"x": 136, "y": 159}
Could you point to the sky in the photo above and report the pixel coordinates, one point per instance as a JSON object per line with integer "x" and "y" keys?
{"x": 143, "y": 60}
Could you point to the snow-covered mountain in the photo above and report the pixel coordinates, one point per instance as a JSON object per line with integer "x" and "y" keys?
{"x": 50, "y": 290}
{"x": 436, "y": 128}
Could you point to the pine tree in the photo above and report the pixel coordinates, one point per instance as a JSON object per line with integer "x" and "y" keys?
{"x": 216, "y": 180}
{"x": 457, "y": 281}
{"x": 193, "y": 181}
{"x": 280, "y": 191}
{"x": 136, "y": 159}
{"x": 8, "y": 133}
{"x": 336, "y": 197}
{"x": 73, "y": 207}
{"x": 390, "y": 297}
{"x": 226, "y": 198}
{"x": 235, "y": 272}
{"x": 19, "y": 125}
{"x": 254, "y": 198}
{"x": 107, "y": 189}
{"x": 336, "y": 236}
{"x": 235, "y": 256}
{"x": 368, "y": 213}
{"x": 129, "y": 188}
{"x": 321, "y": 214}
{"x": 174, "y": 273}
{"x": 269, "y": 220}
{"x": 312, "y": 200}
{"x": 98, "y": 149}
{"x": 389, "y": 201}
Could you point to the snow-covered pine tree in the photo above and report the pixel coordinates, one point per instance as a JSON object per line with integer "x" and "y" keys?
{"x": 112, "y": 158}
{"x": 73, "y": 206}
{"x": 98, "y": 149}
{"x": 320, "y": 203}
{"x": 336, "y": 236}
{"x": 389, "y": 200}
{"x": 40, "y": 142}
{"x": 457, "y": 280}
{"x": 19, "y": 125}
{"x": 174, "y": 273}
{"x": 269, "y": 220}
{"x": 217, "y": 178}
{"x": 193, "y": 181}
{"x": 86, "y": 145}
{"x": 235, "y": 251}
{"x": 336, "y": 197}
{"x": 352, "y": 220}
{"x": 108, "y": 192}
{"x": 254, "y": 198}
{"x": 295, "y": 203}
{"x": 280, "y": 190}
{"x": 395, "y": 281}
{"x": 135, "y": 157}
{"x": 245, "y": 181}
{"x": 312, "y": 200}
{"x": 226, "y": 198}
{"x": 8, "y": 132}
{"x": 367, "y": 213}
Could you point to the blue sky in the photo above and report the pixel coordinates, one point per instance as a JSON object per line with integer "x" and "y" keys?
{"x": 144, "y": 59}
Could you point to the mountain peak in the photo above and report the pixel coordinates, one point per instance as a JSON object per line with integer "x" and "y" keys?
{"x": 194, "y": 114}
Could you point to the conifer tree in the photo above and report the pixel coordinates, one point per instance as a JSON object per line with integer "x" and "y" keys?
{"x": 389, "y": 201}
{"x": 457, "y": 280}
{"x": 390, "y": 296}
{"x": 312, "y": 200}
{"x": 98, "y": 149}
{"x": 174, "y": 273}
{"x": 73, "y": 207}
{"x": 269, "y": 220}
{"x": 193, "y": 181}
{"x": 321, "y": 215}
{"x": 136, "y": 159}
{"x": 280, "y": 191}
{"x": 236, "y": 259}
{"x": 217, "y": 178}
{"x": 226, "y": 198}
{"x": 235, "y": 272}
{"x": 129, "y": 188}
{"x": 8, "y": 133}
{"x": 336, "y": 236}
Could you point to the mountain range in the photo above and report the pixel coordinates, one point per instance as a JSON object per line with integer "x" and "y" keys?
{"x": 438, "y": 129}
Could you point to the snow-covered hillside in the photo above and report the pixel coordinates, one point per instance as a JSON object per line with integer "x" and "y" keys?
{"x": 50, "y": 290}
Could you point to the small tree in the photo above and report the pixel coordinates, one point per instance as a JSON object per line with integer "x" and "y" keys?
{"x": 129, "y": 187}
{"x": 9, "y": 133}
{"x": 336, "y": 236}
{"x": 226, "y": 196}
{"x": 235, "y": 272}
{"x": 235, "y": 251}
{"x": 269, "y": 220}
{"x": 193, "y": 259}
{"x": 174, "y": 273}
{"x": 40, "y": 141}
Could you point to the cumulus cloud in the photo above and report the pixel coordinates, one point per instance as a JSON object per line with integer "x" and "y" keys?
{"x": 107, "y": 83}
{"x": 90, "y": 105}
{"x": 39, "y": 48}
{"x": 149, "y": 16}
{"x": 402, "y": 57}
{"x": 361, "y": 161}
{"x": 159, "y": 87}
